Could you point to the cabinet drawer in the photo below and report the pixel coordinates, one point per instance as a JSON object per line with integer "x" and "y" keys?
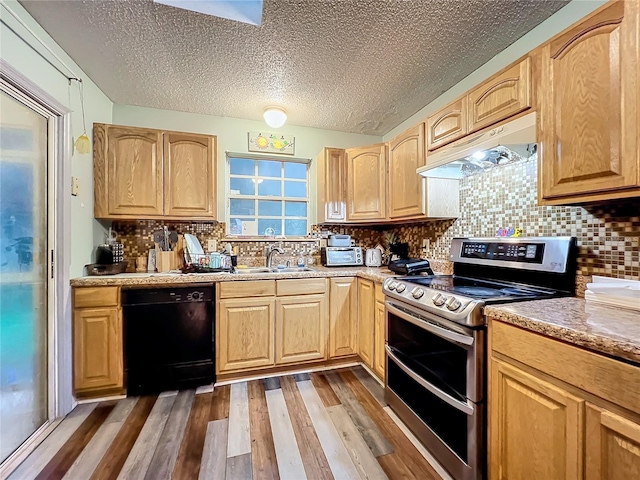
{"x": 252, "y": 288}
{"x": 86, "y": 297}
{"x": 301, "y": 287}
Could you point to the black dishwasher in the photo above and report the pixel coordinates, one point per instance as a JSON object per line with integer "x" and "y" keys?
{"x": 168, "y": 338}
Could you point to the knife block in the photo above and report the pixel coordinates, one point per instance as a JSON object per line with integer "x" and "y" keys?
{"x": 171, "y": 260}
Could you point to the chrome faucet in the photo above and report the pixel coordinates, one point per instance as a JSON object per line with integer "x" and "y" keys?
{"x": 272, "y": 249}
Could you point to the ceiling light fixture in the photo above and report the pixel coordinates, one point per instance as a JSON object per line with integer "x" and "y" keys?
{"x": 275, "y": 116}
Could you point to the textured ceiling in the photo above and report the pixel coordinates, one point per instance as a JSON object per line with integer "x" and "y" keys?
{"x": 356, "y": 66}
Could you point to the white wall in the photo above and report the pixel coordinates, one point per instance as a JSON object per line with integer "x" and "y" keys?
{"x": 562, "y": 19}
{"x": 232, "y": 137}
{"x": 85, "y": 231}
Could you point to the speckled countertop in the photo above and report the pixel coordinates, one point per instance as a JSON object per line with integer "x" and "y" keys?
{"x": 132, "y": 279}
{"x": 613, "y": 331}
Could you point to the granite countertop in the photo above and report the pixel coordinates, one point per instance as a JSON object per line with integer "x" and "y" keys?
{"x": 608, "y": 330}
{"x": 132, "y": 279}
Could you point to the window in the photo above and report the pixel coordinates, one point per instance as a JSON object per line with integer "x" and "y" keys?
{"x": 267, "y": 197}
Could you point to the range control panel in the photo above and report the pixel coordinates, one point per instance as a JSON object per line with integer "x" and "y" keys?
{"x": 503, "y": 251}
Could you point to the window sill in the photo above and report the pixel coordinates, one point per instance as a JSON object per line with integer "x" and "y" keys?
{"x": 241, "y": 238}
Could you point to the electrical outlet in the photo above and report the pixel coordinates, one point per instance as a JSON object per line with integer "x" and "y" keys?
{"x": 212, "y": 245}
{"x": 425, "y": 245}
{"x": 75, "y": 186}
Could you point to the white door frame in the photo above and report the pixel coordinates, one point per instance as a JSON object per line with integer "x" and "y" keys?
{"x": 59, "y": 328}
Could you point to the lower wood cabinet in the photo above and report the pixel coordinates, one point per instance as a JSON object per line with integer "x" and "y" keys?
{"x": 379, "y": 356}
{"x": 343, "y": 327}
{"x": 301, "y": 328}
{"x": 245, "y": 333}
{"x": 366, "y": 316}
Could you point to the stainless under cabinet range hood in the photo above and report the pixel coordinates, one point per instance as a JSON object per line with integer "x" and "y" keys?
{"x": 502, "y": 144}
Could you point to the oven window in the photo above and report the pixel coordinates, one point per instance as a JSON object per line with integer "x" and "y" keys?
{"x": 438, "y": 361}
{"x": 447, "y": 422}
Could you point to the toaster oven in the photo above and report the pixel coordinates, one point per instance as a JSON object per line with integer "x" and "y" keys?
{"x": 341, "y": 256}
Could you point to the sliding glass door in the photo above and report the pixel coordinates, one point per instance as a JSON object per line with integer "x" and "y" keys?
{"x": 24, "y": 275}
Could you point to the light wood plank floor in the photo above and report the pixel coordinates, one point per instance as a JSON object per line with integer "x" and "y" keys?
{"x": 328, "y": 425}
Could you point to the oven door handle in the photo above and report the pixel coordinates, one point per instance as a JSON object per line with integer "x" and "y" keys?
{"x": 462, "y": 406}
{"x": 431, "y": 327}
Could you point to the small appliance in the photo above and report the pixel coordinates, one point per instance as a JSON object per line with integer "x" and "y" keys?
{"x": 339, "y": 241}
{"x": 341, "y": 256}
{"x": 410, "y": 266}
{"x": 373, "y": 258}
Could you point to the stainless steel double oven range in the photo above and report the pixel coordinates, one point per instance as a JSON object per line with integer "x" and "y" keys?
{"x": 436, "y": 338}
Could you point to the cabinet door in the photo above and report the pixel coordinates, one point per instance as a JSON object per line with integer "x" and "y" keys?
{"x": 332, "y": 186}
{"x": 134, "y": 172}
{"x": 366, "y": 183}
{"x": 589, "y": 137}
{"x": 501, "y": 97}
{"x": 535, "y": 428}
{"x": 366, "y": 320}
{"x": 189, "y": 169}
{"x": 301, "y": 328}
{"x": 406, "y": 195}
{"x": 447, "y": 125}
{"x": 97, "y": 349}
{"x": 342, "y": 316}
{"x": 612, "y": 446}
{"x": 245, "y": 333}
{"x": 379, "y": 364}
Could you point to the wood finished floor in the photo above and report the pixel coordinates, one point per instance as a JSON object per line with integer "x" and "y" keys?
{"x": 328, "y": 425}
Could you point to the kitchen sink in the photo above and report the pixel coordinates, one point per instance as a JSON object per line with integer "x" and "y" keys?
{"x": 263, "y": 270}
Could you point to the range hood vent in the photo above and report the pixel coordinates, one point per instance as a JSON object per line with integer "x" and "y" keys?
{"x": 501, "y": 145}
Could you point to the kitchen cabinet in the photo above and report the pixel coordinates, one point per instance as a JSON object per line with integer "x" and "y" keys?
{"x": 367, "y": 183}
{"x": 366, "y": 320}
{"x": 502, "y": 96}
{"x": 144, "y": 173}
{"x": 97, "y": 341}
{"x": 332, "y": 185}
{"x": 588, "y": 130}
{"x": 379, "y": 353}
{"x": 343, "y": 325}
{"x": 301, "y": 328}
{"x": 558, "y": 411}
{"x": 245, "y": 333}
{"x": 406, "y": 194}
{"x": 447, "y": 124}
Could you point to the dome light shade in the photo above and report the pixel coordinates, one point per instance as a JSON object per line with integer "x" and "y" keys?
{"x": 275, "y": 116}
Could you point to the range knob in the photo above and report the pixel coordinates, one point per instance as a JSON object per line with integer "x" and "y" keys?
{"x": 401, "y": 288}
{"x": 417, "y": 293}
{"x": 439, "y": 300}
{"x": 453, "y": 304}
{"x": 393, "y": 285}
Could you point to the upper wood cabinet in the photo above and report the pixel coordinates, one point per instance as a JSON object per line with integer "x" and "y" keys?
{"x": 448, "y": 124}
{"x": 367, "y": 183}
{"x": 301, "y": 328}
{"x": 343, "y": 326}
{"x": 501, "y": 97}
{"x": 146, "y": 173}
{"x": 588, "y": 136}
{"x": 332, "y": 185}
{"x": 406, "y": 195}
{"x": 366, "y": 320}
{"x": 189, "y": 175}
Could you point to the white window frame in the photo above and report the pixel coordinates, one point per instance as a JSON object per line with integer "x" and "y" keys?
{"x": 256, "y": 198}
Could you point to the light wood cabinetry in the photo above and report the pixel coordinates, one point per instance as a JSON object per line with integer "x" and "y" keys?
{"x": 245, "y": 333}
{"x": 97, "y": 341}
{"x": 406, "y": 195}
{"x": 190, "y": 177}
{"x": 146, "y": 173}
{"x": 301, "y": 328}
{"x": 559, "y": 412}
{"x": 588, "y": 136}
{"x": 366, "y": 320}
{"x": 332, "y": 185}
{"x": 501, "y": 97}
{"x": 367, "y": 183}
{"x": 343, "y": 325}
{"x": 379, "y": 355}
{"x": 447, "y": 124}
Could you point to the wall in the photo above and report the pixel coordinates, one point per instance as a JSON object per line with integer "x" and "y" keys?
{"x": 85, "y": 231}
{"x": 232, "y": 137}
{"x": 562, "y": 19}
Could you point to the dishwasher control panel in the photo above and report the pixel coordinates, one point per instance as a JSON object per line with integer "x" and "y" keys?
{"x": 137, "y": 296}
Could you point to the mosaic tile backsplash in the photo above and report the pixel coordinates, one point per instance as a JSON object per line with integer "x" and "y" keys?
{"x": 608, "y": 235}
